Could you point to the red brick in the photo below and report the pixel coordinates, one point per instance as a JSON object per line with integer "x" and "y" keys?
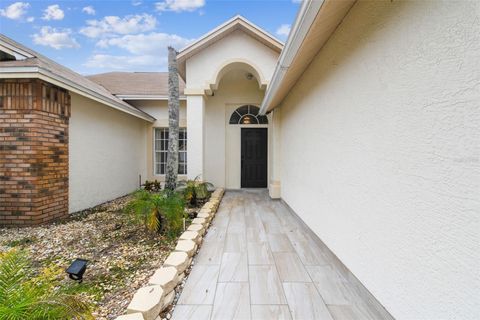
{"x": 34, "y": 157}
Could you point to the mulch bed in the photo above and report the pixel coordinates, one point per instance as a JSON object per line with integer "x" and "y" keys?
{"x": 122, "y": 254}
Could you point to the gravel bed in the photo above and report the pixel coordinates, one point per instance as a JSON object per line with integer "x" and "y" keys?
{"x": 122, "y": 255}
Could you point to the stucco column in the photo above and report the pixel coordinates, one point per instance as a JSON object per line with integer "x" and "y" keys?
{"x": 274, "y": 186}
{"x": 195, "y": 135}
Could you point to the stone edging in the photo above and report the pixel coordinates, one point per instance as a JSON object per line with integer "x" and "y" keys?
{"x": 149, "y": 301}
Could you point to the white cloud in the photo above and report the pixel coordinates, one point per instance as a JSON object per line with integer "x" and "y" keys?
{"x": 111, "y": 25}
{"x": 53, "y": 12}
{"x": 136, "y": 3}
{"x": 297, "y": 1}
{"x": 154, "y": 43}
{"x": 106, "y": 61}
{"x": 55, "y": 38}
{"x": 283, "y": 30}
{"x": 15, "y": 11}
{"x": 146, "y": 51}
{"x": 89, "y": 10}
{"x": 30, "y": 19}
{"x": 179, "y": 5}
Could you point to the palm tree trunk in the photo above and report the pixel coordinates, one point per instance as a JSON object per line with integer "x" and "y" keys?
{"x": 173, "y": 115}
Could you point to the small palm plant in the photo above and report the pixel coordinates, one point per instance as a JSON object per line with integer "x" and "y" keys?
{"x": 159, "y": 212}
{"x": 24, "y": 295}
{"x": 146, "y": 207}
{"x": 194, "y": 190}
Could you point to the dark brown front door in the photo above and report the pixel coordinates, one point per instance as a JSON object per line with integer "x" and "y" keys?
{"x": 254, "y": 157}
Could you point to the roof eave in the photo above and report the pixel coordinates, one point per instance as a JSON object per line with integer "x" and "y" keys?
{"x": 316, "y": 21}
{"x": 145, "y": 97}
{"x": 46, "y": 75}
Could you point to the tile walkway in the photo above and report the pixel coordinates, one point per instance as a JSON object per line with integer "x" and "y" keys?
{"x": 259, "y": 261}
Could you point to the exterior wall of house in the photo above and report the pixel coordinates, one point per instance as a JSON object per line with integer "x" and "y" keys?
{"x": 222, "y": 140}
{"x": 33, "y": 152}
{"x": 107, "y": 153}
{"x": 159, "y": 110}
{"x": 223, "y": 66}
{"x": 203, "y": 68}
{"x": 380, "y": 153}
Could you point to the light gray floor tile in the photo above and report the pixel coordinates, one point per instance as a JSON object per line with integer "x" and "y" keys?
{"x": 308, "y": 251}
{"x": 232, "y": 301}
{"x": 215, "y": 233}
{"x": 200, "y": 286}
{"x": 331, "y": 286}
{"x": 343, "y": 312}
{"x": 259, "y": 253}
{"x": 356, "y": 311}
{"x": 265, "y": 286}
{"x": 304, "y": 301}
{"x": 221, "y": 221}
{"x": 270, "y": 312}
{"x": 256, "y": 234}
{"x": 290, "y": 267}
{"x": 210, "y": 253}
{"x": 280, "y": 243}
{"x": 192, "y": 312}
{"x": 257, "y": 227}
{"x": 235, "y": 242}
{"x": 234, "y": 267}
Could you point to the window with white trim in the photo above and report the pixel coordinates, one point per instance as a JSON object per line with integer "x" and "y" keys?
{"x": 161, "y": 150}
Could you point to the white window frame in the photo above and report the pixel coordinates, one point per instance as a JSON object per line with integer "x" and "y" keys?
{"x": 156, "y": 153}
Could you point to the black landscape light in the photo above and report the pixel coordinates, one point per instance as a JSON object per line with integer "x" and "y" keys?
{"x": 77, "y": 269}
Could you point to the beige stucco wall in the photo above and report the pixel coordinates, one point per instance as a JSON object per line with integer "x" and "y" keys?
{"x": 207, "y": 69}
{"x": 202, "y": 68}
{"x": 159, "y": 110}
{"x": 381, "y": 153}
{"x": 107, "y": 153}
{"x": 222, "y": 140}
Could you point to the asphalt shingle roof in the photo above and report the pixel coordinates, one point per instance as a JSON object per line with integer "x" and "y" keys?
{"x": 135, "y": 83}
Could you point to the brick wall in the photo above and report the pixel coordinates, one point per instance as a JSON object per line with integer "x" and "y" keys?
{"x": 33, "y": 152}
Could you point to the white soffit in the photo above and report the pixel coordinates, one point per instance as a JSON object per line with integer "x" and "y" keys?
{"x": 316, "y": 21}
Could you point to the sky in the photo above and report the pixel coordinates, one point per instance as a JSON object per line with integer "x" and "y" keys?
{"x": 132, "y": 35}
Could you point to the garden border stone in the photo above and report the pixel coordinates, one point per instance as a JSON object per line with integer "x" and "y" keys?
{"x": 197, "y": 228}
{"x": 131, "y": 316}
{"x": 167, "y": 277}
{"x": 179, "y": 260}
{"x": 187, "y": 246}
{"x": 149, "y": 301}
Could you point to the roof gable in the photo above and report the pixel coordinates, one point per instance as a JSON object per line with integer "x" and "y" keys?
{"x": 236, "y": 23}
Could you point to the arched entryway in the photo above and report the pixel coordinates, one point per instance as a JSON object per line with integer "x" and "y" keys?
{"x": 232, "y": 107}
{"x": 254, "y": 146}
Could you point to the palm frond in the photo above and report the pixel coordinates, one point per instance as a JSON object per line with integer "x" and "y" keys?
{"x": 27, "y": 296}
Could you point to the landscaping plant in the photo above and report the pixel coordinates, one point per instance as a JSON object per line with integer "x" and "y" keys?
{"x": 160, "y": 212}
{"x": 152, "y": 186}
{"x": 194, "y": 191}
{"x": 25, "y": 295}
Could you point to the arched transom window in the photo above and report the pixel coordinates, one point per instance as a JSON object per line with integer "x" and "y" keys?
{"x": 247, "y": 115}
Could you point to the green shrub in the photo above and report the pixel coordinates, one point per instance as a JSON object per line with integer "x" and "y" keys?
{"x": 25, "y": 295}
{"x": 160, "y": 212}
{"x": 194, "y": 191}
